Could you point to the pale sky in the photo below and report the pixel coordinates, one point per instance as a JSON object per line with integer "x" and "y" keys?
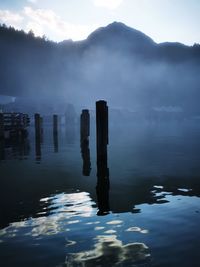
{"x": 162, "y": 20}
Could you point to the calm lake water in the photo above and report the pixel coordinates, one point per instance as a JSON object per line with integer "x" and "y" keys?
{"x": 50, "y": 203}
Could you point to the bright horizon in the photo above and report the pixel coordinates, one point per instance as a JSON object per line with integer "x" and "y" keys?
{"x": 163, "y": 21}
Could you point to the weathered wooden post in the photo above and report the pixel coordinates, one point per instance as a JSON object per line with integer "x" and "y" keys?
{"x": 38, "y": 136}
{"x": 55, "y": 132}
{"x": 85, "y": 124}
{"x": 55, "y": 123}
{"x": 37, "y": 125}
{"x": 1, "y": 125}
{"x": 103, "y": 183}
{"x": 101, "y": 128}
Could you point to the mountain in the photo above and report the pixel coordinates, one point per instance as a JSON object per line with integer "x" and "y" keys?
{"x": 118, "y": 33}
{"x": 118, "y": 36}
{"x": 116, "y": 62}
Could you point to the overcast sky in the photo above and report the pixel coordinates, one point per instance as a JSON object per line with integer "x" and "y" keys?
{"x": 162, "y": 20}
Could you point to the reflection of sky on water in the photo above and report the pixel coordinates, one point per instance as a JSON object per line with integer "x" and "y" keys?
{"x": 69, "y": 225}
{"x": 64, "y": 225}
{"x": 109, "y": 251}
{"x": 74, "y": 204}
{"x": 89, "y": 239}
{"x": 65, "y": 209}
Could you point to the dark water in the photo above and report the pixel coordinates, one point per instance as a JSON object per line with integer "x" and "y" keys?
{"x": 49, "y": 209}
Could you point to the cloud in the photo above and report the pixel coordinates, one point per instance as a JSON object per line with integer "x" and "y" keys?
{"x": 36, "y": 28}
{"x": 48, "y": 20}
{"x": 10, "y": 18}
{"x": 110, "y": 4}
{"x": 32, "y": 1}
{"x": 45, "y": 21}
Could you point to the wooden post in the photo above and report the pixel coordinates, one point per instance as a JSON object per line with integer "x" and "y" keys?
{"x": 85, "y": 124}
{"x": 55, "y": 123}
{"x": 1, "y": 125}
{"x": 55, "y": 132}
{"x": 38, "y": 136}
{"x": 103, "y": 183}
{"x": 101, "y": 127}
{"x": 37, "y": 125}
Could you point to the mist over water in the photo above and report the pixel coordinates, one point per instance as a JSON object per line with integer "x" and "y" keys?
{"x": 116, "y": 63}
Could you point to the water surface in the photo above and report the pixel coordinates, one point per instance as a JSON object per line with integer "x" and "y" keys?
{"x": 50, "y": 202}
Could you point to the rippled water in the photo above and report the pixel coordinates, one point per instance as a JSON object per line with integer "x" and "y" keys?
{"x": 50, "y": 203}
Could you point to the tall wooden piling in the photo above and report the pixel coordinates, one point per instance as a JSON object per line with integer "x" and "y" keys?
{"x": 55, "y": 123}
{"x": 101, "y": 128}
{"x": 85, "y": 124}
{"x": 1, "y": 125}
{"x": 38, "y": 133}
{"x": 37, "y": 125}
{"x": 103, "y": 183}
{"x": 55, "y": 132}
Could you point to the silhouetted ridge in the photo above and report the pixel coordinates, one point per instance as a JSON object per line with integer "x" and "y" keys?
{"x": 120, "y": 33}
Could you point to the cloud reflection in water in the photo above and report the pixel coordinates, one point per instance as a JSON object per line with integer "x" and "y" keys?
{"x": 65, "y": 210}
{"x": 109, "y": 251}
{"x": 88, "y": 242}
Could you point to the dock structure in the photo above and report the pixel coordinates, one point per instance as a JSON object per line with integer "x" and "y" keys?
{"x": 12, "y": 123}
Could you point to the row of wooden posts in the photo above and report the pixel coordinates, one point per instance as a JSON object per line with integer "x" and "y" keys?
{"x": 103, "y": 183}
{"x": 101, "y": 128}
{"x": 18, "y": 121}
{"x": 102, "y": 188}
{"x": 101, "y": 125}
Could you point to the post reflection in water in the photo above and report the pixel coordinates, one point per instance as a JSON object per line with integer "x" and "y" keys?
{"x": 55, "y": 141}
{"x": 37, "y": 149}
{"x": 84, "y": 141}
{"x": 21, "y": 147}
{"x": 103, "y": 185}
{"x": 15, "y": 147}
{"x": 85, "y": 152}
{"x": 2, "y": 150}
